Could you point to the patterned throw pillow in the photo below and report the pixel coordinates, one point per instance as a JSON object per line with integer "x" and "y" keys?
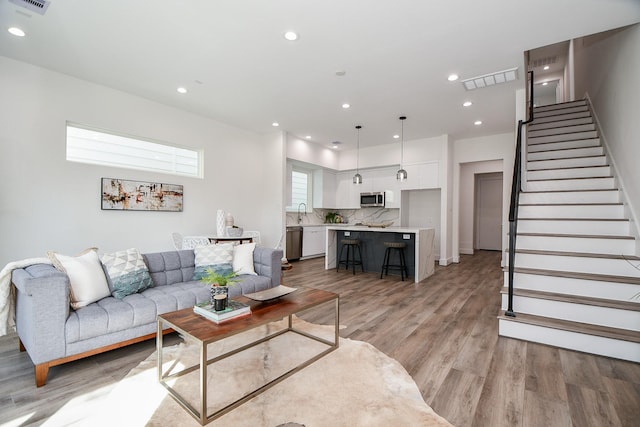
{"x": 87, "y": 282}
{"x": 127, "y": 271}
{"x": 217, "y": 257}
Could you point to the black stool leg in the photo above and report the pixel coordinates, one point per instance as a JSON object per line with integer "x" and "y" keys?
{"x": 340, "y": 258}
{"x": 385, "y": 262}
{"x": 404, "y": 263}
{"x": 360, "y": 255}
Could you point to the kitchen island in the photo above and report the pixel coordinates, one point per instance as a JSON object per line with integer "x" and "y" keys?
{"x": 420, "y": 252}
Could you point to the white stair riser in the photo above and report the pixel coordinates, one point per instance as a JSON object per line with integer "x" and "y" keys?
{"x": 583, "y": 313}
{"x": 571, "y": 211}
{"x": 607, "y": 183}
{"x": 562, "y": 137}
{"x": 561, "y": 130}
{"x": 556, "y": 112}
{"x": 608, "y": 347}
{"x": 572, "y": 286}
{"x": 566, "y": 154}
{"x": 616, "y": 267}
{"x": 564, "y": 145}
{"x": 560, "y": 123}
{"x": 610, "y": 196}
{"x": 540, "y": 120}
{"x": 600, "y": 171}
{"x": 567, "y": 162}
{"x": 560, "y": 106}
{"x": 578, "y": 244}
{"x": 607, "y": 228}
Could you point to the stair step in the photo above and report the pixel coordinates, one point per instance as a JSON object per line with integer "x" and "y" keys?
{"x": 565, "y": 154}
{"x": 563, "y": 145}
{"x": 560, "y": 106}
{"x": 562, "y": 173}
{"x": 567, "y": 129}
{"x": 541, "y": 120}
{"x": 599, "y": 183}
{"x": 569, "y": 197}
{"x": 561, "y": 122}
{"x": 557, "y": 137}
{"x": 538, "y": 114}
{"x": 613, "y": 245}
{"x": 608, "y": 313}
{"x": 567, "y": 162}
{"x": 570, "y": 211}
{"x": 610, "y": 342}
{"x": 576, "y": 283}
{"x": 581, "y": 262}
{"x": 607, "y": 226}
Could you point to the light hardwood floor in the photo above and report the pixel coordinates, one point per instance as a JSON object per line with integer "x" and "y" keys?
{"x": 443, "y": 331}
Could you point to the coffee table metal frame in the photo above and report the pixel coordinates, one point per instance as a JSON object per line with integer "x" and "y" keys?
{"x": 207, "y": 332}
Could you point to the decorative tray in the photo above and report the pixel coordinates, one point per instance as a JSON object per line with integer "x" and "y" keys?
{"x": 269, "y": 294}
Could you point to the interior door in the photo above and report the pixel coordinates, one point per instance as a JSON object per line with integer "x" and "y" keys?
{"x": 489, "y": 211}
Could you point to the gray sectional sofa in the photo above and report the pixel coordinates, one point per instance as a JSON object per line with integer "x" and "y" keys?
{"x": 53, "y": 333}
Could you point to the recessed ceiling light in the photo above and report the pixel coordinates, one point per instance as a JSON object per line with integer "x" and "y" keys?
{"x": 340, "y": 73}
{"x": 453, "y": 77}
{"x": 182, "y": 90}
{"x": 467, "y": 104}
{"x": 291, "y": 36}
{"x": 546, "y": 67}
{"x": 545, "y": 83}
{"x": 396, "y": 136}
{"x": 477, "y": 122}
{"x": 275, "y": 124}
{"x": 16, "y": 32}
{"x": 308, "y": 137}
{"x": 345, "y": 105}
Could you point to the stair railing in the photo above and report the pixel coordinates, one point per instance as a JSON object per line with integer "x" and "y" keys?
{"x": 516, "y": 188}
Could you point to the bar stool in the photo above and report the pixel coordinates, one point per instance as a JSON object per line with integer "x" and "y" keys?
{"x": 351, "y": 245}
{"x": 399, "y": 248}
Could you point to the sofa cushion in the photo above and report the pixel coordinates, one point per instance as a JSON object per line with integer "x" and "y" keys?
{"x": 243, "y": 259}
{"x": 86, "y": 276}
{"x": 216, "y": 257}
{"x": 127, "y": 272}
{"x": 167, "y": 268}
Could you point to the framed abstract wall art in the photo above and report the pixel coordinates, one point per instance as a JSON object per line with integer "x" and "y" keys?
{"x": 125, "y": 195}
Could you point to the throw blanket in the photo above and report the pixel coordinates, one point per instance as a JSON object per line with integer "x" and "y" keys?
{"x": 7, "y": 302}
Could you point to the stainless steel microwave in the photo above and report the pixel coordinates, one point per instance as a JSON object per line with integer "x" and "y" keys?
{"x": 375, "y": 199}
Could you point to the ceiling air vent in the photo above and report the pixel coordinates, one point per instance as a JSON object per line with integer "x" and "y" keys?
{"x": 491, "y": 79}
{"x": 541, "y": 62}
{"x": 38, "y": 6}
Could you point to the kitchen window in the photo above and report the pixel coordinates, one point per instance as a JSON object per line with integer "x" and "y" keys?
{"x": 87, "y": 145}
{"x": 301, "y": 184}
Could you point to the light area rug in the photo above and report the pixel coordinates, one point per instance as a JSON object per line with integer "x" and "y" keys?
{"x": 355, "y": 385}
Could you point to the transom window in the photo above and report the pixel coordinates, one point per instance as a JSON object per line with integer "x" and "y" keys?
{"x": 86, "y": 145}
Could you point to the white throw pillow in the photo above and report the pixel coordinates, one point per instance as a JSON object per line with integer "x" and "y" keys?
{"x": 216, "y": 257}
{"x": 243, "y": 259}
{"x": 86, "y": 276}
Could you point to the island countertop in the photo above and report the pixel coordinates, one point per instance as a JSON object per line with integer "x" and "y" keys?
{"x": 422, "y": 242}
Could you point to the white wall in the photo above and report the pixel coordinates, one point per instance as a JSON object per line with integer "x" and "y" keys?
{"x": 607, "y": 66}
{"x": 421, "y": 208}
{"x": 48, "y": 203}
{"x": 493, "y": 153}
{"x": 309, "y": 152}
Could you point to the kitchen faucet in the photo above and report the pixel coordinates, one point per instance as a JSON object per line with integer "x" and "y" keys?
{"x": 305, "y": 211}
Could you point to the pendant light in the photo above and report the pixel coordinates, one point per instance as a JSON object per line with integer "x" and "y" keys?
{"x": 357, "y": 178}
{"x": 402, "y": 174}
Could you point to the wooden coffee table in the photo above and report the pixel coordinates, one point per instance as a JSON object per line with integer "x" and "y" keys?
{"x": 203, "y": 332}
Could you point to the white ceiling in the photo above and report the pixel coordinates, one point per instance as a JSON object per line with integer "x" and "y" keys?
{"x": 238, "y": 68}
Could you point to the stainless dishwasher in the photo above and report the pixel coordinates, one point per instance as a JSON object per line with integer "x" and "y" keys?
{"x": 294, "y": 243}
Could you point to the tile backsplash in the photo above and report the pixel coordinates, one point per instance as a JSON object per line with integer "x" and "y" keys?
{"x": 351, "y": 216}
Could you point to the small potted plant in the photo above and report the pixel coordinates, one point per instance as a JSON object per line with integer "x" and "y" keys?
{"x": 219, "y": 281}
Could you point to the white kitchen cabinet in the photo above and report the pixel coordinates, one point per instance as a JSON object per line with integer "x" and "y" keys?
{"x": 348, "y": 193}
{"x": 421, "y": 176}
{"x": 313, "y": 241}
{"x": 324, "y": 189}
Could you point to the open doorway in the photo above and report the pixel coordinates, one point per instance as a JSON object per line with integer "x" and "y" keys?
{"x": 488, "y": 211}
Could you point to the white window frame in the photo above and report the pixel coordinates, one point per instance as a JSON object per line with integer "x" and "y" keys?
{"x": 309, "y": 200}
{"x": 85, "y": 144}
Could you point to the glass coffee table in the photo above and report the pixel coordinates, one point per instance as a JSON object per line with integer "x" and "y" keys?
{"x": 203, "y": 332}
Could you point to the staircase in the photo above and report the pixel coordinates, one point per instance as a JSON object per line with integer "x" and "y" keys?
{"x": 577, "y": 279}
